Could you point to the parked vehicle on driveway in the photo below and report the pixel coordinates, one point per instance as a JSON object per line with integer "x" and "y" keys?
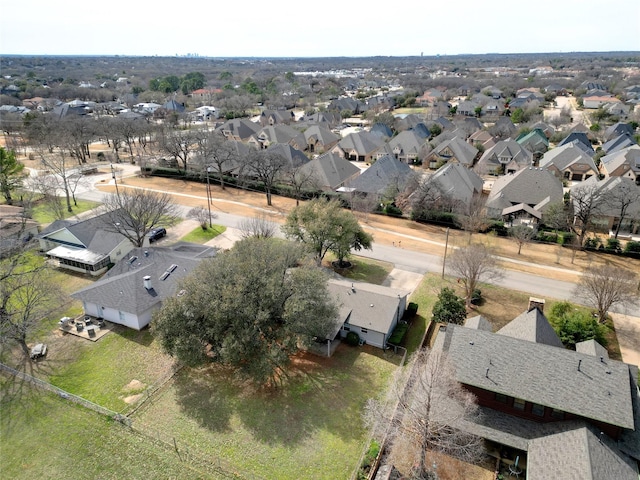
{"x": 156, "y": 234}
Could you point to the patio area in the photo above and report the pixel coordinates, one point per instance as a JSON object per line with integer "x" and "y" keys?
{"x": 85, "y": 326}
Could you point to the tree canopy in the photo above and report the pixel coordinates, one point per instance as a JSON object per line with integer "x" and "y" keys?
{"x": 324, "y": 226}
{"x": 250, "y": 308}
{"x": 10, "y": 173}
{"x": 449, "y": 308}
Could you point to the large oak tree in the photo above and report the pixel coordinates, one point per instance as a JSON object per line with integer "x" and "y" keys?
{"x": 251, "y": 308}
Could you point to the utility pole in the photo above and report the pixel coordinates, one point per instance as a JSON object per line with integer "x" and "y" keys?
{"x": 209, "y": 196}
{"x": 115, "y": 180}
{"x": 446, "y": 244}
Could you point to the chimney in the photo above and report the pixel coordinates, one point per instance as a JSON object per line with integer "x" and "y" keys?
{"x": 536, "y": 303}
{"x": 147, "y": 282}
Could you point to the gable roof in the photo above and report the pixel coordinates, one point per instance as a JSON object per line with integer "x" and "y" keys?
{"x": 408, "y": 141}
{"x": 282, "y": 133}
{"x": 618, "y": 143}
{"x": 366, "y": 305}
{"x": 321, "y": 134}
{"x": 293, "y": 156}
{"x": 581, "y": 138}
{"x": 87, "y": 234}
{"x": 628, "y": 158}
{"x": 462, "y": 151}
{"x": 567, "y": 155}
{"x": 547, "y": 375}
{"x": 505, "y": 152}
{"x": 331, "y": 170}
{"x": 363, "y": 143}
{"x": 381, "y": 174}
{"x": 532, "y": 326}
{"x": 532, "y": 186}
{"x": 458, "y": 182}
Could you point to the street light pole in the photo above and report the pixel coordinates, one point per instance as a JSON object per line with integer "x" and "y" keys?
{"x": 446, "y": 244}
{"x": 115, "y": 181}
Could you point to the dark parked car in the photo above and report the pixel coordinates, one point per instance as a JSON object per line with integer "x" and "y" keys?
{"x": 156, "y": 234}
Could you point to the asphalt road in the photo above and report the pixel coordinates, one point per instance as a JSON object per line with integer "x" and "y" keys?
{"x": 421, "y": 263}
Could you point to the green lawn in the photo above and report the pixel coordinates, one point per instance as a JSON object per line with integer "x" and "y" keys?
{"x": 42, "y": 215}
{"x": 46, "y": 437}
{"x": 425, "y": 296}
{"x": 362, "y": 269}
{"x": 201, "y": 236}
{"x": 310, "y": 428}
{"x": 102, "y": 371}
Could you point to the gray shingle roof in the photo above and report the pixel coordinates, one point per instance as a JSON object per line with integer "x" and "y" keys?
{"x": 371, "y": 306}
{"x": 123, "y": 288}
{"x": 458, "y": 182}
{"x": 542, "y": 374}
{"x": 330, "y": 170}
{"x": 629, "y": 156}
{"x": 568, "y": 155}
{"x": 533, "y": 327}
{"x": 529, "y": 185}
{"x": 363, "y": 143}
{"x": 379, "y": 176}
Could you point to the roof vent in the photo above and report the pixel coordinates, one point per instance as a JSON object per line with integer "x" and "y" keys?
{"x": 172, "y": 268}
{"x": 164, "y": 276}
{"x": 132, "y": 259}
{"x": 146, "y": 253}
{"x": 147, "y": 282}
{"x": 353, "y": 289}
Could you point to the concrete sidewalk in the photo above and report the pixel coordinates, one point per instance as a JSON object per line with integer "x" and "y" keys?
{"x": 628, "y": 333}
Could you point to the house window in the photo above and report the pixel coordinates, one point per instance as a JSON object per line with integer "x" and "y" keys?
{"x": 518, "y": 404}
{"x": 364, "y": 330}
{"x": 346, "y": 329}
{"x": 501, "y": 398}
{"x": 537, "y": 410}
{"x": 557, "y": 414}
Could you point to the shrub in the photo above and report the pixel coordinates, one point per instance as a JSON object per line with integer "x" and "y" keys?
{"x": 412, "y": 309}
{"x": 567, "y": 238}
{"x": 632, "y": 247}
{"x": 353, "y": 339}
{"x": 476, "y": 297}
{"x": 574, "y": 326}
{"x": 449, "y": 308}
{"x": 613, "y": 245}
{"x": 593, "y": 242}
{"x": 398, "y": 334}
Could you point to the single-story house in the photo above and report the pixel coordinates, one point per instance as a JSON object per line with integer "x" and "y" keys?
{"x": 371, "y": 311}
{"x": 137, "y": 285}
{"x": 85, "y": 246}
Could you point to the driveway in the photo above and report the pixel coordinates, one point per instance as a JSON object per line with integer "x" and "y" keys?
{"x": 628, "y": 333}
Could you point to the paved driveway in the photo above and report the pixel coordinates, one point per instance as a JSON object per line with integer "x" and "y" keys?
{"x": 628, "y": 333}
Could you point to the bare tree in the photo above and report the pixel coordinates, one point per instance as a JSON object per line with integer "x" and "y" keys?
{"x": 133, "y": 213}
{"x": 586, "y": 203}
{"x": 201, "y": 215}
{"x": 266, "y": 167}
{"x": 605, "y": 286}
{"x": 257, "y": 226}
{"x": 26, "y": 290}
{"x": 472, "y": 216}
{"x": 300, "y": 180}
{"x": 622, "y": 196}
{"x": 522, "y": 234}
{"x": 473, "y": 264}
{"x": 363, "y": 204}
{"x": 177, "y": 143}
{"x": 215, "y": 153}
{"x": 425, "y": 410}
{"x": 47, "y": 187}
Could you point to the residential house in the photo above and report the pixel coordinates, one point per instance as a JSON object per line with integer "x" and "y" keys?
{"x": 85, "y": 246}
{"x": 598, "y": 100}
{"x": 330, "y": 171}
{"x": 482, "y": 140}
{"x": 386, "y": 173}
{"x": 205, "y": 95}
{"x": 294, "y": 158}
{"x": 506, "y": 156}
{"x": 240, "y": 129}
{"x": 429, "y": 98}
{"x": 275, "y": 117}
{"x": 358, "y": 146}
{"x": 535, "y": 141}
{"x": 467, "y": 108}
{"x": 622, "y": 163}
{"x": 173, "y": 106}
{"x": 618, "y": 143}
{"x": 569, "y": 162}
{"x": 137, "y": 285}
{"x": 381, "y": 130}
{"x": 524, "y": 196}
{"x": 564, "y": 413}
{"x": 618, "y": 129}
{"x": 407, "y": 146}
{"x": 455, "y": 150}
{"x": 606, "y": 216}
{"x": 370, "y": 311}
{"x": 320, "y": 139}
{"x": 579, "y": 139}
{"x": 458, "y": 183}
{"x": 547, "y": 129}
{"x": 279, "y": 133}
{"x": 503, "y": 128}
{"x": 146, "y": 108}
{"x": 352, "y": 105}
{"x": 493, "y": 108}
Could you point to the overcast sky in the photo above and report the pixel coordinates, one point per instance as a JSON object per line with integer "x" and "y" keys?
{"x": 289, "y": 28}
